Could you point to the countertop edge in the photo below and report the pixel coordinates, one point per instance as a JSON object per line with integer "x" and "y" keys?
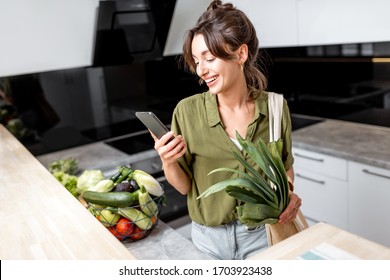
{"x": 334, "y": 137}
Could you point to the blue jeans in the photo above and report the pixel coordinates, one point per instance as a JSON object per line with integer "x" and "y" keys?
{"x": 232, "y": 241}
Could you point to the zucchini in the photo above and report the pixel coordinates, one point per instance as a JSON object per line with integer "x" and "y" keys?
{"x": 114, "y": 199}
{"x": 146, "y": 203}
{"x": 139, "y": 218}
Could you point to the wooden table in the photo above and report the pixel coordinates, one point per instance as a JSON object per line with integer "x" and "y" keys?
{"x": 323, "y": 235}
{"x": 40, "y": 219}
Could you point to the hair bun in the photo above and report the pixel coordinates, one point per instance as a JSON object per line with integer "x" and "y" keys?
{"x": 217, "y": 4}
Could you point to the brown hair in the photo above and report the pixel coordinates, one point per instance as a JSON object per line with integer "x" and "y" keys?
{"x": 225, "y": 29}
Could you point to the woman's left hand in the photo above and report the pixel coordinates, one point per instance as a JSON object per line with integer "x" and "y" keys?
{"x": 291, "y": 210}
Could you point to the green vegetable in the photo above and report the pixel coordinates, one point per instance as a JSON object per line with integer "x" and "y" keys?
{"x": 116, "y": 176}
{"x": 68, "y": 181}
{"x": 105, "y": 185}
{"x": 88, "y": 179}
{"x": 107, "y": 218}
{"x": 121, "y": 175}
{"x": 151, "y": 185}
{"x": 113, "y": 199}
{"x": 264, "y": 198}
{"x": 146, "y": 203}
{"x": 69, "y": 166}
{"x": 17, "y": 128}
{"x": 137, "y": 217}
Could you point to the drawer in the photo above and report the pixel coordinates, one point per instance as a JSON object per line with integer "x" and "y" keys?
{"x": 320, "y": 163}
{"x": 324, "y": 199}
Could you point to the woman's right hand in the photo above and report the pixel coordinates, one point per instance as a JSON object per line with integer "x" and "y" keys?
{"x": 169, "y": 148}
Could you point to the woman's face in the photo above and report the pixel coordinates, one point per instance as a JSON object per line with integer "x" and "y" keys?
{"x": 219, "y": 75}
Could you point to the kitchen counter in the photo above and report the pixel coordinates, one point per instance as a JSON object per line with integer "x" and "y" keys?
{"x": 55, "y": 233}
{"x": 165, "y": 243}
{"x": 40, "y": 219}
{"x": 324, "y": 241}
{"x": 361, "y": 143}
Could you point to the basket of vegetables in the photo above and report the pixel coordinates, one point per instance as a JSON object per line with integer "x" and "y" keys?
{"x": 127, "y": 204}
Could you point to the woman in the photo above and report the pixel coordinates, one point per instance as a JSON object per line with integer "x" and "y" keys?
{"x": 222, "y": 50}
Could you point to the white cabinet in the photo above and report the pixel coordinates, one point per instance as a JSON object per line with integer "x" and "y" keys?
{"x": 275, "y": 22}
{"x": 322, "y": 22}
{"x": 347, "y": 194}
{"x": 286, "y": 23}
{"x": 40, "y": 35}
{"x": 369, "y": 202}
{"x": 321, "y": 182}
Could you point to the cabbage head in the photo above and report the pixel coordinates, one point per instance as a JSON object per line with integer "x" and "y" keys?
{"x": 88, "y": 179}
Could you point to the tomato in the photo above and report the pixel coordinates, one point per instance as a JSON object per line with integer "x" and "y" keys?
{"x": 137, "y": 233}
{"x": 115, "y": 233}
{"x": 124, "y": 227}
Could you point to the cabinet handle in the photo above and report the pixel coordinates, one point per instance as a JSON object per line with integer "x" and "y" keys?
{"x": 375, "y": 174}
{"x": 310, "y": 179}
{"x": 311, "y": 158}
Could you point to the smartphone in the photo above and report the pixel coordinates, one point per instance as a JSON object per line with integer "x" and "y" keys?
{"x": 153, "y": 123}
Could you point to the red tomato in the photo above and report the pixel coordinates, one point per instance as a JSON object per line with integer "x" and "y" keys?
{"x": 125, "y": 227}
{"x": 137, "y": 233}
{"x": 115, "y": 233}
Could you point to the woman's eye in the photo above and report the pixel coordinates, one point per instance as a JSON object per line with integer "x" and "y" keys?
{"x": 210, "y": 59}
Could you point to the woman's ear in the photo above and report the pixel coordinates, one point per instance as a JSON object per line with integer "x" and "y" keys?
{"x": 242, "y": 53}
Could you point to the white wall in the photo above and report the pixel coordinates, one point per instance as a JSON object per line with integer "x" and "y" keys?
{"x": 44, "y": 35}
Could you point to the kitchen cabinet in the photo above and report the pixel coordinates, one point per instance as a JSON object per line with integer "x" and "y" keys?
{"x": 324, "y": 22}
{"x": 275, "y": 22}
{"x": 361, "y": 147}
{"x": 321, "y": 182}
{"x": 38, "y": 36}
{"x": 350, "y": 195}
{"x": 368, "y": 202}
{"x": 287, "y": 23}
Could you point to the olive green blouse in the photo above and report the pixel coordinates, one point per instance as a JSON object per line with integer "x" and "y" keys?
{"x": 197, "y": 119}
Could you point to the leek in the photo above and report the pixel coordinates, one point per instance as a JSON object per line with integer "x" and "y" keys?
{"x": 264, "y": 198}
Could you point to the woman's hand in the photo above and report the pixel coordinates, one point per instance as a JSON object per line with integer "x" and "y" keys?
{"x": 291, "y": 210}
{"x": 169, "y": 148}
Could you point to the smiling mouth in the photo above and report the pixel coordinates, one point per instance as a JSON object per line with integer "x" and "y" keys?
{"x": 208, "y": 81}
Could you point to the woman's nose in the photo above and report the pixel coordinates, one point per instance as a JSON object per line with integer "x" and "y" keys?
{"x": 200, "y": 69}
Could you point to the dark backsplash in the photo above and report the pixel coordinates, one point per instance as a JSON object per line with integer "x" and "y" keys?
{"x": 314, "y": 84}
